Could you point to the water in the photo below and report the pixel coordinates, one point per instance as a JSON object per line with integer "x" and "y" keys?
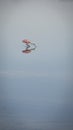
{"x": 30, "y": 105}
{"x": 36, "y": 89}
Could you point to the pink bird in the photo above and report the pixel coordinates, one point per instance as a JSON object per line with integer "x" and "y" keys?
{"x": 29, "y": 46}
{"x": 26, "y": 41}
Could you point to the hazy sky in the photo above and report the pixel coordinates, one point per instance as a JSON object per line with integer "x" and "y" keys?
{"x": 45, "y": 75}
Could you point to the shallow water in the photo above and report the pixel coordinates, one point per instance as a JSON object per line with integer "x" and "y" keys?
{"x": 36, "y": 89}
{"x": 29, "y": 106}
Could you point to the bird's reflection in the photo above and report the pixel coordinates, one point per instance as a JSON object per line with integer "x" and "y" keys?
{"x": 29, "y": 48}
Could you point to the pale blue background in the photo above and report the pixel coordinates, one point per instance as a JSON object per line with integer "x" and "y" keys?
{"x": 36, "y": 90}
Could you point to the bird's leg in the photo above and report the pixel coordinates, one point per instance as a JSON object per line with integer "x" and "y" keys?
{"x": 27, "y": 46}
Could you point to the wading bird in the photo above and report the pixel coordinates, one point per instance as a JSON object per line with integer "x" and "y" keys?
{"x": 29, "y": 46}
